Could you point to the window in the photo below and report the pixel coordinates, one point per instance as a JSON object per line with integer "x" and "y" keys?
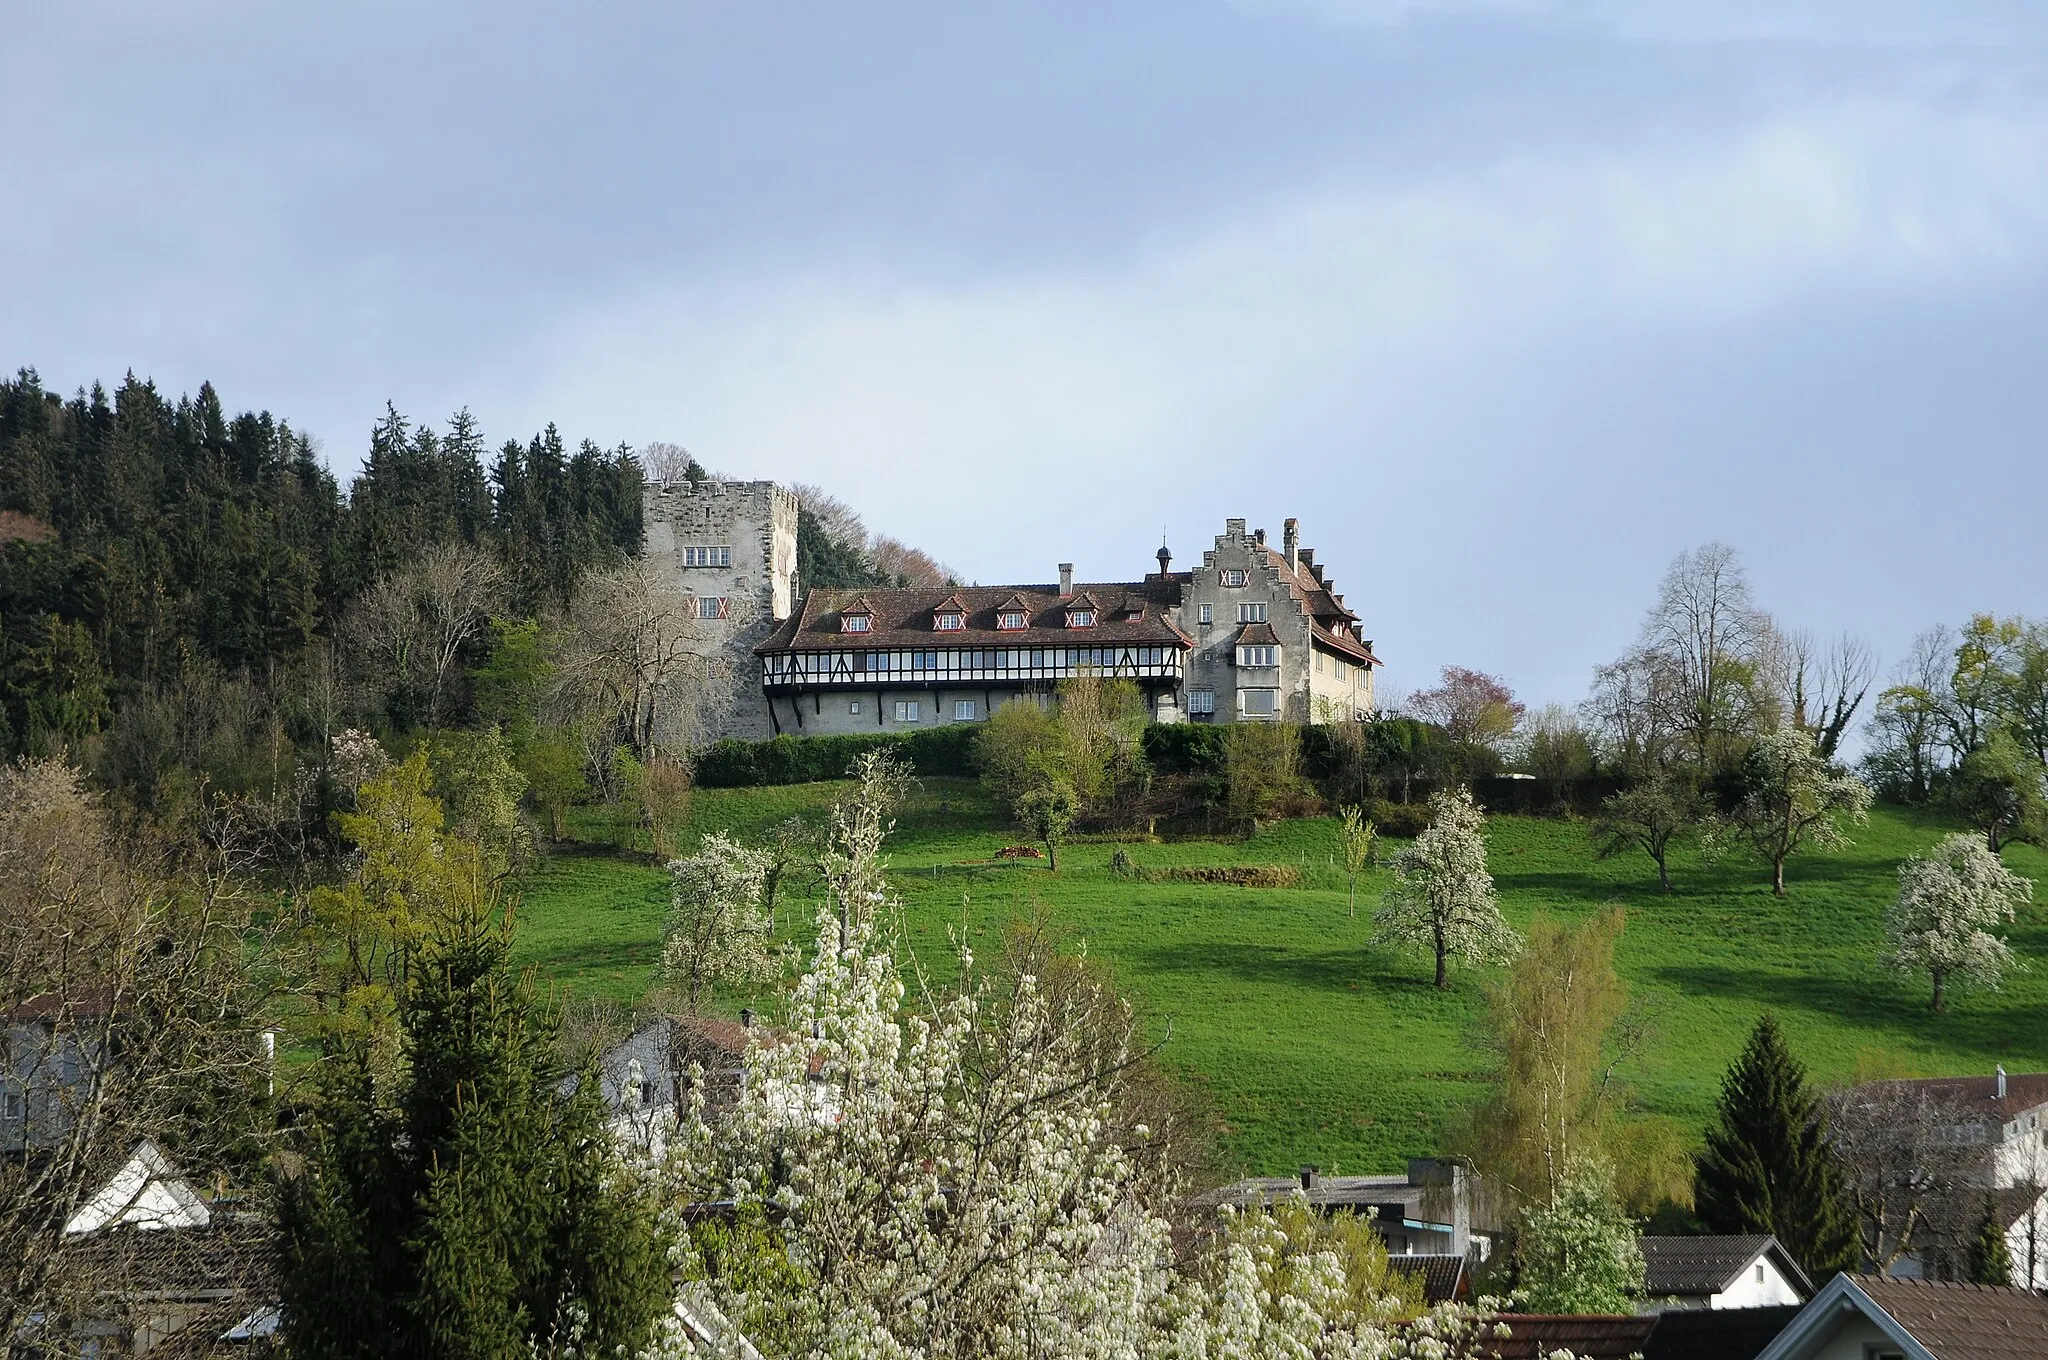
{"x": 1206, "y": 614}
{"x": 1201, "y": 701}
{"x": 853, "y": 707}
{"x": 1759, "y": 1272}
{"x": 906, "y": 710}
{"x": 1080, "y": 618}
{"x": 1233, "y": 576}
{"x": 1038, "y": 657}
{"x": 854, "y": 623}
{"x": 713, "y": 607}
{"x": 924, "y": 661}
{"x": 952, "y": 623}
{"x": 1258, "y": 657}
{"x": 1135, "y": 616}
{"x": 707, "y": 557}
{"x": 1010, "y": 620}
{"x": 878, "y": 661}
{"x": 963, "y": 710}
{"x": 1251, "y": 613}
{"x": 1258, "y": 703}
{"x": 10, "y": 1105}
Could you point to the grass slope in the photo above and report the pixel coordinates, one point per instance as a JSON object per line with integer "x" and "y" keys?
{"x": 1316, "y": 1047}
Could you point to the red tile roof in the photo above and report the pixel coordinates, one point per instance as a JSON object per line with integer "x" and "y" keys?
{"x": 1964, "y": 1321}
{"x": 903, "y": 618}
{"x": 1593, "y": 1336}
{"x": 1976, "y": 1096}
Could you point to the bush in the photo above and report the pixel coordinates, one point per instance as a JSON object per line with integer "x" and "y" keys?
{"x": 788, "y": 759}
{"x": 1404, "y": 821}
{"x": 1184, "y": 748}
{"x": 1231, "y": 875}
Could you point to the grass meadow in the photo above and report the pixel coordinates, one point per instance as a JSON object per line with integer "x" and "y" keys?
{"x": 1312, "y": 1045}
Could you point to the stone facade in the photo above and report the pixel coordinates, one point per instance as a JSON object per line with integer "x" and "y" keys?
{"x": 731, "y": 547}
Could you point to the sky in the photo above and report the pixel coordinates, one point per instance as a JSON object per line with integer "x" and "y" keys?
{"x": 1508, "y": 301}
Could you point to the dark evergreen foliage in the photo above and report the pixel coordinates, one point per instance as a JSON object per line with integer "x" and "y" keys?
{"x": 827, "y": 562}
{"x": 1988, "y": 1260}
{"x": 1767, "y": 1166}
{"x": 476, "y": 1210}
{"x": 141, "y": 538}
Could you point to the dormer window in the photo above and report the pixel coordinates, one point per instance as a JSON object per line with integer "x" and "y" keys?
{"x": 951, "y": 622}
{"x": 1135, "y": 616}
{"x": 1080, "y": 618}
{"x": 855, "y": 623}
{"x": 1010, "y": 620}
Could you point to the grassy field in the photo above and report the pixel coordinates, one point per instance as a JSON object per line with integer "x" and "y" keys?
{"x": 1315, "y": 1047}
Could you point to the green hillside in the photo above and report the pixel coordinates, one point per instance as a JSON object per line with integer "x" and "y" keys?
{"x": 1316, "y": 1047}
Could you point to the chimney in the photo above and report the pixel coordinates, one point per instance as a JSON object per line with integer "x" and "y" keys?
{"x": 1259, "y": 537}
{"x": 1066, "y": 579}
{"x": 1310, "y": 1176}
{"x": 2001, "y": 1081}
{"x": 1290, "y": 543}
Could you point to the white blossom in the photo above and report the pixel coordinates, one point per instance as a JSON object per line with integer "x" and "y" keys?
{"x": 1948, "y": 903}
{"x": 1442, "y": 897}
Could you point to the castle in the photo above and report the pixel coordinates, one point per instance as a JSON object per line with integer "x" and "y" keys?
{"x": 1256, "y": 633}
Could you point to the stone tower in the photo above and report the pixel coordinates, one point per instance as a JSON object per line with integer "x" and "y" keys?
{"x": 730, "y": 547}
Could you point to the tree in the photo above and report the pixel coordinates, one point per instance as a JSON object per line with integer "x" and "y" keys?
{"x": 1578, "y": 1252}
{"x": 1905, "y": 732}
{"x": 1359, "y": 834}
{"x": 717, "y": 930}
{"x": 1651, "y": 814}
{"x": 474, "y": 1206}
{"x": 1558, "y": 749}
{"x": 1017, "y": 748}
{"x": 959, "y": 1176}
{"x": 1564, "y": 1026}
{"x": 1988, "y": 1260}
{"x": 1261, "y": 766}
{"x": 1048, "y": 810}
{"x": 1768, "y": 1165}
{"x": 1442, "y": 896}
{"x": 134, "y": 980}
{"x": 1905, "y": 1170}
{"x": 632, "y": 661}
{"x": 1478, "y": 712}
{"x": 415, "y": 622}
{"x": 1701, "y": 645}
{"x": 2002, "y": 789}
{"x": 1948, "y": 903}
{"x": 1793, "y": 800}
{"x": 1828, "y": 685}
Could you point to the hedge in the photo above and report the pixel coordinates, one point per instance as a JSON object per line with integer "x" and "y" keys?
{"x": 733, "y": 764}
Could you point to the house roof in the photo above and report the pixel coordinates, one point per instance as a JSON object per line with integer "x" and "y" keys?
{"x": 1976, "y": 1096}
{"x": 1397, "y": 1197}
{"x": 1442, "y": 1274}
{"x": 1717, "y": 1333}
{"x": 903, "y": 618}
{"x": 1708, "y": 1265}
{"x": 1594, "y": 1337}
{"x": 144, "y": 1192}
{"x": 1258, "y": 634}
{"x": 1925, "y": 1319}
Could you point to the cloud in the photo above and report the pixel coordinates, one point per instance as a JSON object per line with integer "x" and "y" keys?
{"x": 1362, "y": 296}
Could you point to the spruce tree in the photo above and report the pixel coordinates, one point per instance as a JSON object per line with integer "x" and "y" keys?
{"x": 1988, "y": 1261}
{"x": 1767, "y": 1166}
{"x": 479, "y": 1209}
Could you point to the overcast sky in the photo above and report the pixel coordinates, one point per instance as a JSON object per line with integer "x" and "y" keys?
{"x": 1508, "y": 300}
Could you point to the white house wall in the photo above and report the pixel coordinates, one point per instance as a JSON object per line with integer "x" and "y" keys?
{"x": 1750, "y": 1292}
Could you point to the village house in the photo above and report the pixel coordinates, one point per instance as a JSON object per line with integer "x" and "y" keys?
{"x": 1720, "y": 1272}
{"x": 1870, "y": 1317}
{"x": 1435, "y": 1208}
{"x": 1999, "y": 1125}
{"x": 1256, "y": 633}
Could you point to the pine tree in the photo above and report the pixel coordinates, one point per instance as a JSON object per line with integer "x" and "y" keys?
{"x": 1767, "y": 1166}
{"x": 1988, "y": 1261}
{"x": 477, "y": 1209}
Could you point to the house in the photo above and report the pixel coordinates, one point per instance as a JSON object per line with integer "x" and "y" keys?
{"x": 647, "y": 1078}
{"x": 1444, "y": 1276}
{"x": 1433, "y": 1209}
{"x": 159, "y": 1270}
{"x": 1597, "y": 1336}
{"x": 1256, "y": 632}
{"x": 1717, "y": 1333}
{"x": 47, "y": 1067}
{"x": 1720, "y": 1272}
{"x": 1870, "y": 1317}
{"x": 1999, "y": 1126}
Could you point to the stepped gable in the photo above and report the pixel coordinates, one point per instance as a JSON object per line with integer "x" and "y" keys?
{"x": 1332, "y": 622}
{"x": 905, "y": 618}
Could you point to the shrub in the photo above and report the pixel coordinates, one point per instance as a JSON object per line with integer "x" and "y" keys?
{"x": 790, "y": 759}
{"x": 1231, "y": 875}
{"x": 1405, "y": 821}
{"x": 1184, "y": 748}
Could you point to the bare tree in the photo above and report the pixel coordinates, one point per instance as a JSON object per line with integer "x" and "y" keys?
{"x": 1905, "y": 1168}
{"x": 901, "y": 562}
{"x": 635, "y": 663}
{"x": 413, "y": 623}
{"x": 128, "y": 1009}
{"x": 667, "y": 463}
{"x": 1907, "y": 729}
{"x": 1706, "y": 635}
{"x": 1828, "y": 685}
